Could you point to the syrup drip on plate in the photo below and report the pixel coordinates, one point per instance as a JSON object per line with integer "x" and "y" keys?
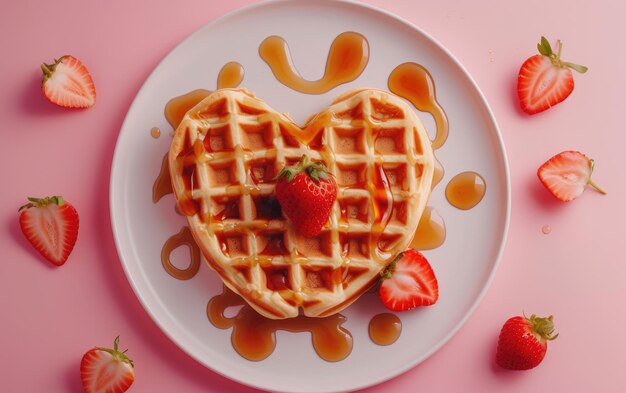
{"x": 347, "y": 58}
{"x": 413, "y": 82}
{"x": 437, "y": 174}
{"x": 431, "y": 231}
{"x": 465, "y": 190}
{"x": 182, "y": 238}
{"x": 230, "y": 75}
{"x": 177, "y": 107}
{"x": 155, "y": 132}
{"x": 163, "y": 183}
{"x": 254, "y": 336}
{"x": 385, "y": 329}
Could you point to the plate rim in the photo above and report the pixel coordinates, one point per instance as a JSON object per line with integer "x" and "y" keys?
{"x": 115, "y": 225}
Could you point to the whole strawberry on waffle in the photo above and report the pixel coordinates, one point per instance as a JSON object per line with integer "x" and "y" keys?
{"x": 225, "y": 159}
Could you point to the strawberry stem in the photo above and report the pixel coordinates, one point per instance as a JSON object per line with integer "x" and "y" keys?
{"x": 116, "y": 353}
{"x": 544, "y": 327}
{"x": 42, "y": 202}
{"x": 315, "y": 170}
{"x": 591, "y": 182}
{"x": 46, "y": 70}
{"x": 545, "y": 49}
{"x": 388, "y": 272}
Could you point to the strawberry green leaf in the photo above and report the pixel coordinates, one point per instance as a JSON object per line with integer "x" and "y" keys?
{"x": 576, "y": 67}
{"x": 544, "y": 47}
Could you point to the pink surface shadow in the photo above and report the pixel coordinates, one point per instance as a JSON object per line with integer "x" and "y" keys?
{"x": 545, "y": 200}
{"x": 511, "y": 88}
{"x": 32, "y": 101}
{"x": 72, "y": 378}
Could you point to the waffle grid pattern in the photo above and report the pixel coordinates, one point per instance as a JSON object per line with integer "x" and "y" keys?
{"x": 224, "y": 157}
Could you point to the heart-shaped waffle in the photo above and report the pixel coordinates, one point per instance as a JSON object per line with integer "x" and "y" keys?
{"x": 223, "y": 160}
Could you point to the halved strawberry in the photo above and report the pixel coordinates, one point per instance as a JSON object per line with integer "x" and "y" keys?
{"x": 545, "y": 80}
{"x": 408, "y": 282}
{"x": 67, "y": 83}
{"x": 106, "y": 370}
{"x": 51, "y": 226}
{"x": 567, "y": 174}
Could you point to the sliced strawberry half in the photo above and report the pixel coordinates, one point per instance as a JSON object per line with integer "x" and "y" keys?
{"x": 106, "y": 370}
{"x": 68, "y": 83}
{"x": 51, "y": 226}
{"x": 567, "y": 174}
{"x": 545, "y": 80}
{"x": 408, "y": 282}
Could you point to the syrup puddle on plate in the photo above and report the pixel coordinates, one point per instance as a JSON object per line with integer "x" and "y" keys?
{"x": 155, "y": 132}
{"x": 465, "y": 190}
{"x": 431, "y": 231}
{"x": 182, "y": 238}
{"x": 385, "y": 329}
{"x": 347, "y": 58}
{"x": 254, "y": 336}
{"x": 231, "y": 75}
{"x": 413, "y": 82}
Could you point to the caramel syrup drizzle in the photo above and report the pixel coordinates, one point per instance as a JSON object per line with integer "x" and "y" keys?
{"x": 437, "y": 174}
{"x": 465, "y": 190}
{"x": 382, "y": 199}
{"x": 231, "y": 75}
{"x": 413, "y": 82}
{"x": 347, "y": 58}
{"x": 177, "y": 107}
{"x": 385, "y": 328}
{"x": 431, "y": 231}
{"x": 163, "y": 184}
{"x": 155, "y": 132}
{"x": 254, "y": 336}
{"x": 182, "y": 238}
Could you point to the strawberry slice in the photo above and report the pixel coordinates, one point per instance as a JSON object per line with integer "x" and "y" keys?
{"x": 106, "y": 370}
{"x": 567, "y": 174}
{"x": 408, "y": 282}
{"x": 51, "y": 226}
{"x": 67, "y": 83}
{"x": 545, "y": 80}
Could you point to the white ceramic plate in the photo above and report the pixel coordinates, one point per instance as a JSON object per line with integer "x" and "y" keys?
{"x": 464, "y": 265}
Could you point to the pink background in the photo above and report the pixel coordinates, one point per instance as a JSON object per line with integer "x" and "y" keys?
{"x": 51, "y": 316}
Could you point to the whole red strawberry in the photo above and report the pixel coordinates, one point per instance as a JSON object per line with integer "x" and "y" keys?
{"x": 523, "y": 342}
{"x": 106, "y": 370}
{"x": 51, "y": 226}
{"x": 306, "y": 193}
{"x": 545, "y": 80}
